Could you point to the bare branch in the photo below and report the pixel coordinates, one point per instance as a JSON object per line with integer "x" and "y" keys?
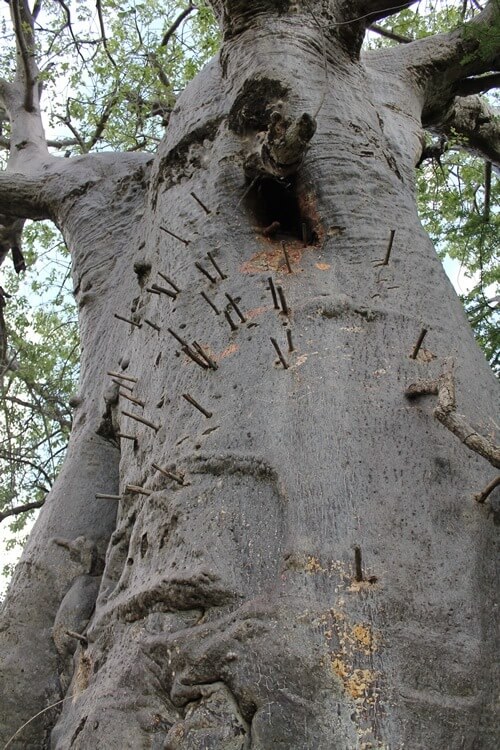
{"x": 106, "y": 114}
{"x": 21, "y": 509}
{"x": 70, "y": 27}
{"x": 445, "y": 412}
{"x": 67, "y": 121}
{"x": 173, "y": 28}
{"x": 487, "y": 190}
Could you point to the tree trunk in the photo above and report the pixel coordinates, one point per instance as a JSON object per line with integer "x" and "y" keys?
{"x": 313, "y": 574}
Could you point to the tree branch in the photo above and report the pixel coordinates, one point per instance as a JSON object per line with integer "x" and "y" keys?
{"x": 445, "y": 412}
{"x": 103, "y": 33}
{"x": 440, "y": 63}
{"x": 370, "y": 10}
{"x": 105, "y": 115}
{"x": 487, "y": 190}
{"x": 173, "y": 28}
{"x": 70, "y": 26}
{"x": 67, "y": 121}
{"x": 389, "y": 34}
{"x": 21, "y": 196}
{"x": 64, "y": 143}
{"x": 41, "y": 194}
{"x": 23, "y": 27}
{"x": 477, "y": 85}
{"x": 21, "y": 509}
{"x": 476, "y": 125}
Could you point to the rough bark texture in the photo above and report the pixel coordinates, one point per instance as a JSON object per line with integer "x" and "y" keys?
{"x": 321, "y": 578}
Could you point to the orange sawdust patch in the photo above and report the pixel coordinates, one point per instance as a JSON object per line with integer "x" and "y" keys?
{"x": 308, "y": 207}
{"x": 231, "y": 349}
{"x": 273, "y": 258}
{"x": 323, "y": 266}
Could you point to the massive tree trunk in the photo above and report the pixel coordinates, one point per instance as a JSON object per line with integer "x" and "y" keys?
{"x": 306, "y": 569}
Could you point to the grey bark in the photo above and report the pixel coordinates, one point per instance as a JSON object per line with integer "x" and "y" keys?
{"x": 321, "y": 577}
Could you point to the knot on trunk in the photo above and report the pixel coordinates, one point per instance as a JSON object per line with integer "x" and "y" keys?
{"x": 280, "y": 149}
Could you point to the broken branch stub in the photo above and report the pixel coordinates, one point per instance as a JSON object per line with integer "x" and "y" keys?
{"x": 445, "y": 412}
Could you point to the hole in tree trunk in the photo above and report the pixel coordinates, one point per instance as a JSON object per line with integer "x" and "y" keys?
{"x": 274, "y": 206}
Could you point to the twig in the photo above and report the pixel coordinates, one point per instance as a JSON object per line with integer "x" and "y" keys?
{"x": 172, "y": 234}
{"x": 200, "y": 202}
{"x": 132, "y": 399}
{"x": 103, "y": 121}
{"x": 68, "y": 24}
{"x": 67, "y": 121}
{"x": 358, "y": 565}
{"x": 173, "y": 28}
{"x": 206, "y": 273}
{"x": 162, "y": 290}
{"x": 385, "y": 262}
{"x": 215, "y": 265}
{"x": 189, "y": 352}
{"x": 169, "y": 281}
{"x": 207, "y": 299}
{"x": 196, "y": 405}
{"x": 272, "y": 289}
{"x": 280, "y": 354}
{"x": 103, "y": 33}
{"x": 210, "y": 362}
{"x": 487, "y": 190}
{"x": 127, "y": 320}
{"x": 235, "y": 307}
